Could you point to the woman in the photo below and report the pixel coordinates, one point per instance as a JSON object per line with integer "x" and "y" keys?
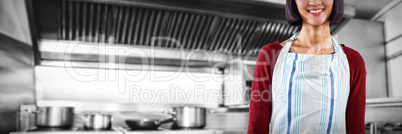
{"x": 309, "y": 84}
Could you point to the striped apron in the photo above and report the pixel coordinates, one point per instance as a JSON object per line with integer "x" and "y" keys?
{"x": 309, "y": 92}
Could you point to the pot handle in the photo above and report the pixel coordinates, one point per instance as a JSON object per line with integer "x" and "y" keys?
{"x": 31, "y": 111}
{"x": 159, "y": 122}
{"x": 169, "y": 112}
{"x": 81, "y": 115}
{"x": 212, "y": 111}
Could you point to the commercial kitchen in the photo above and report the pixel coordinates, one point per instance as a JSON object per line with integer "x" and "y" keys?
{"x": 164, "y": 67}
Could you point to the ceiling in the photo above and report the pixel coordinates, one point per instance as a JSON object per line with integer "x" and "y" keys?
{"x": 365, "y": 9}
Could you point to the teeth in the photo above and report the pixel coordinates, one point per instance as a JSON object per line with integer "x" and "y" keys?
{"x": 315, "y": 11}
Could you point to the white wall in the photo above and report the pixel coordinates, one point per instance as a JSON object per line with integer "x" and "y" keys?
{"x": 367, "y": 38}
{"x": 393, "y": 30}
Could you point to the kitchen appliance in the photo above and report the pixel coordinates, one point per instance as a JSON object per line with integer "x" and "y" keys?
{"x": 188, "y": 117}
{"x": 146, "y": 124}
{"x": 54, "y": 117}
{"x": 204, "y": 35}
{"x": 97, "y": 121}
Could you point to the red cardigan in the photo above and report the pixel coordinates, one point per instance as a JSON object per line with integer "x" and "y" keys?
{"x": 260, "y": 111}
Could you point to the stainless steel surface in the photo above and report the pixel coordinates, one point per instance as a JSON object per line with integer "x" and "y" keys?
{"x": 182, "y": 29}
{"x": 177, "y": 132}
{"x": 147, "y": 124}
{"x": 97, "y": 121}
{"x": 16, "y": 63}
{"x": 71, "y": 132}
{"x": 101, "y": 52}
{"x": 128, "y": 132}
{"x": 235, "y": 88}
{"x": 166, "y": 131}
{"x": 81, "y": 106}
{"x": 62, "y": 117}
{"x": 384, "y": 110}
{"x": 235, "y": 131}
{"x": 211, "y": 131}
{"x": 124, "y": 66}
{"x": 390, "y": 100}
{"x": 373, "y": 128}
{"x": 26, "y": 120}
{"x": 16, "y": 78}
{"x": 189, "y": 117}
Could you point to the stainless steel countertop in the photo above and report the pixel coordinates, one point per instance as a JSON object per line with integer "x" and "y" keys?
{"x": 204, "y": 131}
{"x": 68, "y": 132}
{"x": 176, "y": 132}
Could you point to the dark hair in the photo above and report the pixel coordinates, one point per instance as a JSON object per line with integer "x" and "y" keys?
{"x": 294, "y": 18}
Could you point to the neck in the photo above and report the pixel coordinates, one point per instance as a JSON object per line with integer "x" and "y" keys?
{"x": 311, "y": 36}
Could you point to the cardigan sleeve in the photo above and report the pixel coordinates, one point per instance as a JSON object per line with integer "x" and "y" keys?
{"x": 356, "y": 106}
{"x": 260, "y": 98}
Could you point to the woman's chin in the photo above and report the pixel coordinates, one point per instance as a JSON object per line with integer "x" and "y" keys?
{"x": 316, "y": 23}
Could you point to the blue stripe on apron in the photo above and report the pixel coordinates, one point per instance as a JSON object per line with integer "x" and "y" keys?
{"x": 298, "y": 95}
{"x": 332, "y": 97}
{"x": 323, "y": 106}
{"x": 282, "y": 122}
{"x": 290, "y": 94}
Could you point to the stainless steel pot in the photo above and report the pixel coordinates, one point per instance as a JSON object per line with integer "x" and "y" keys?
{"x": 97, "y": 121}
{"x": 52, "y": 117}
{"x": 189, "y": 117}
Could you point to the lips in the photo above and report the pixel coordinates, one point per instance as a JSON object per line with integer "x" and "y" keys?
{"x": 315, "y": 11}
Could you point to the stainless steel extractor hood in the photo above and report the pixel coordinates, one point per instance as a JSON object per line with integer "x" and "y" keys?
{"x": 216, "y": 30}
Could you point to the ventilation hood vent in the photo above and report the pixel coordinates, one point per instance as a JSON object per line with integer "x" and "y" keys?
{"x": 158, "y": 24}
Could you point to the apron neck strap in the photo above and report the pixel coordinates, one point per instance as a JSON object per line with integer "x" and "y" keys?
{"x": 286, "y": 48}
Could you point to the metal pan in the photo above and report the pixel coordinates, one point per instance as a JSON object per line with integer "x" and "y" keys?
{"x": 147, "y": 124}
{"x": 97, "y": 121}
{"x": 54, "y": 117}
{"x": 188, "y": 117}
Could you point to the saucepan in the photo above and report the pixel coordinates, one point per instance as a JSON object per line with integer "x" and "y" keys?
{"x": 188, "y": 117}
{"x": 54, "y": 117}
{"x": 97, "y": 121}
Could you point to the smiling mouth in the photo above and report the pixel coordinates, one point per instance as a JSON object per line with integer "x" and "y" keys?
{"x": 316, "y": 12}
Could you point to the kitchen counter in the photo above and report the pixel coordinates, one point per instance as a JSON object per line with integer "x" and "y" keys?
{"x": 204, "y": 131}
{"x": 68, "y": 132}
{"x": 234, "y": 131}
{"x": 176, "y": 132}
